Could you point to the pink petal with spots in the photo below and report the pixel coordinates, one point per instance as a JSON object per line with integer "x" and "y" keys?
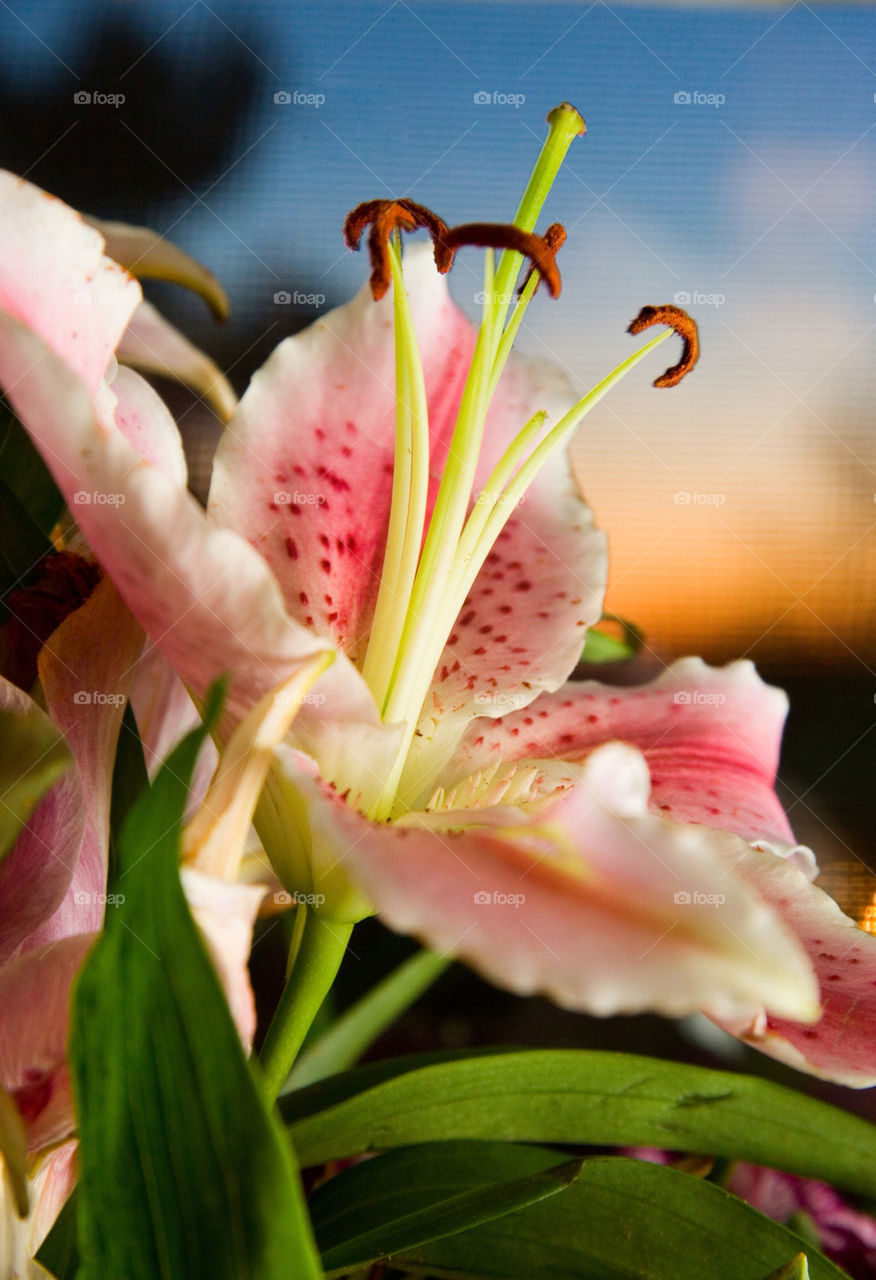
{"x": 304, "y": 471}
{"x": 711, "y": 738}
{"x": 55, "y": 279}
{"x": 842, "y": 1045}
{"x": 35, "y": 1003}
{"x": 204, "y": 596}
{"x": 590, "y": 899}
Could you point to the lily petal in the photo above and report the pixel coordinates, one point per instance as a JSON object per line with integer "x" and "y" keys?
{"x": 593, "y": 901}
{"x": 204, "y": 595}
{"x": 711, "y": 737}
{"x": 154, "y": 345}
{"x": 51, "y": 1182}
{"x": 55, "y": 279}
{"x": 841, "y": 1046}
{"x": 304, "y": 471}
{"x": 35, "y": 999}
{"x": 53, "y": 879}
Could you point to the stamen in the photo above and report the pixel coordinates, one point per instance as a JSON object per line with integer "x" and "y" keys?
{"x": 385, "y": 217}
{"x": 686, "y": 329}
{"x": 499, "y": 235}
{"x": 554, "y": 238}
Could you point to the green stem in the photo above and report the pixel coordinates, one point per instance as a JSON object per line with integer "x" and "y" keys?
{"x": 318, "y": 947}
{"x": 357, "y": 1029}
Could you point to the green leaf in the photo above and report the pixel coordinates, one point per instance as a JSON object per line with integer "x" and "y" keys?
{"x": 365, "y": 1215}
{"x": 583, "y": 1097}
{"x": 185, "y": 1170}
{"x": 602, "y": 645}
{"x": 619, "y": 1220}
{"x": 59, "y": 1252}
{"x": 130, "y": 779}
{"x": 33, "y": 755}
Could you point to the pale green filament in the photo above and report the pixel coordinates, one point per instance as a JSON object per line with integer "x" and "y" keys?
{"x": 422, "y": 594}
{"x": 410, "y": 486}
{"x": 451, "y": 505}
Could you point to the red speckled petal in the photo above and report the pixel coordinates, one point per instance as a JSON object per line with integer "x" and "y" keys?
{"x": 711, "y": 738}
{"x": 55, "y": 279}
{"x": 204, "y": 596}
{"x": 591, "y": 900}
{"x": 304, "y": 469}
{"x": 842, "y": 1045}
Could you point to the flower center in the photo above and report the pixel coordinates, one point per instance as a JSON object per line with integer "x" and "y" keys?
{"x": 429, "y": 568}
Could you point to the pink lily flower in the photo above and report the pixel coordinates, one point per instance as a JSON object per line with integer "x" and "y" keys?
{"x": 619, "y": 850}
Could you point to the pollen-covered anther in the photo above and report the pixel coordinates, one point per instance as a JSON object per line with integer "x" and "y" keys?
{"x": 554, "y": 239}
{"x": 686, "y": 329}
{"x": 385, "y": 217}
{"x": 541, "y": 250}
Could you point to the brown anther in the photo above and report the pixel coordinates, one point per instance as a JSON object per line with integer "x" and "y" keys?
{"x": 554, "y": 239}
{"x": 59, "y": 585}
{"x": 386, "y": 216}
{"x": 686, "y": 329}
{"x": 500, "y": 235}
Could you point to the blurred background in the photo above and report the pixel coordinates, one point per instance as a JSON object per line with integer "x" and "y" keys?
{"x": 728, "y": 166}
